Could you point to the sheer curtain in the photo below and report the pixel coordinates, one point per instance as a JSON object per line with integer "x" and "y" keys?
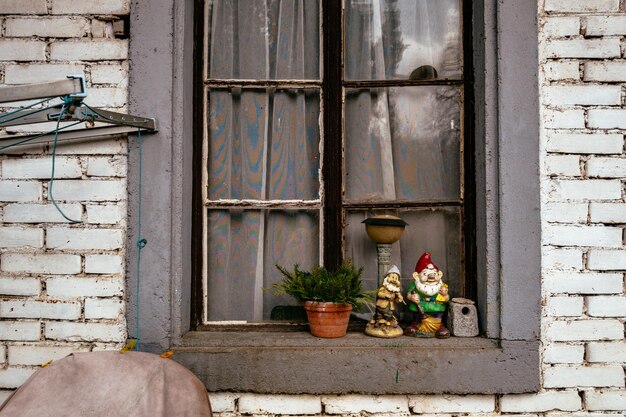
{"x": 404, "y": 143}
{"x": 263, "y": 144}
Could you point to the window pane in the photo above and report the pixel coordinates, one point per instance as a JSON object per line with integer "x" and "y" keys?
{"x": 437, "y": 231}
{"x": 263, "y": 39}
{"x": 403, "y": 143}
{"x": 389, "y": 39}
{"x": 263, "y": 144}
{"x": 243, "y": 248}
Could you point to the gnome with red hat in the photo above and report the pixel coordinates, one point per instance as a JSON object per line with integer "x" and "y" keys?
{"x": 428, "y": 297}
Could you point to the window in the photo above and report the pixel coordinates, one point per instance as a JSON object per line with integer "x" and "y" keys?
{"x": 287, "y": 179}
{"x": 507, "y": 240}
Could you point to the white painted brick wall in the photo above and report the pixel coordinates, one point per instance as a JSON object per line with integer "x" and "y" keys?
{"x": 582, "y": 74}
{"x": 607, "y": 352}
{"x": 21, "y": 237}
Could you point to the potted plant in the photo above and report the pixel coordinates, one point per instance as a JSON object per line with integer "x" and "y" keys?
{"x": 328, "y": 296}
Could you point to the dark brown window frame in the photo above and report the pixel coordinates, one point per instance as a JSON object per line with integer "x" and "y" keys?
{"x": 332, "y": 89}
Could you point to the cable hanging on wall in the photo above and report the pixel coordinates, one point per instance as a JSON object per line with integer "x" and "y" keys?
{"x": 72, "y": 109}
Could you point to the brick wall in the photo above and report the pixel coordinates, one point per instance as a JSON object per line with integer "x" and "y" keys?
{"x": 62, "y": 285}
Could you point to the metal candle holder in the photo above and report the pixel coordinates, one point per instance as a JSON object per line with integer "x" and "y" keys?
{"x": 384, "y": 229}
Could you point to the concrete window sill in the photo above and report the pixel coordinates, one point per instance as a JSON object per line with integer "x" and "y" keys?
{"x": 297, "y": 363}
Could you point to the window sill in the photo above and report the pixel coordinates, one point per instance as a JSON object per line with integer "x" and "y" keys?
{"x": 297, "y": 363}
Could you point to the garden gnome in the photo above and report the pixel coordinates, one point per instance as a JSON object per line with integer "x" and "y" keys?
{"x": 384, "y": 323}
{"x": 428, "y": 298}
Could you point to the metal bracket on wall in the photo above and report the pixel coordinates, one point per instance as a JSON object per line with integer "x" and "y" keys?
{"x": 73, "y": 90}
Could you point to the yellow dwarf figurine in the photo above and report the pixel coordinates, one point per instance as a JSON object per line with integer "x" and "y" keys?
{"x": 384, "y": 323}
{"x": 428, "y": 298}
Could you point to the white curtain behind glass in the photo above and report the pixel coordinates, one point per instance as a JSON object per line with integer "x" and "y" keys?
{"x": 263, "y": 145}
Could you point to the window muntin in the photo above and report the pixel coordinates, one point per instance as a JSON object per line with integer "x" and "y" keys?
{"x": 401, "y": 145}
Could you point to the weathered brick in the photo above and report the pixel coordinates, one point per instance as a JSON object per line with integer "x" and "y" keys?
{"x": 14, "y": 377}
{"x": 56, "y": 27}
{"x": 605, "y": 71}
{"x": 116, "y": 7}
{"x": 41, "y": 213}
{"x": 565, "y": 306}
{"x": 39, "y": 309}
{"x": 565, "y": 212}
{"x": 109, "y": 74}
{"x": 22, "y": 50}
{"x": 609, "y": 352}
{"x": 559, "y": 27}
{"x": 564, "y": 353}
{"x": 89, "y": 50}
{"x": 71, "y": 287}
{"x": 106, "y": 214}
{"x": 83, "y": 239}
{"x": 584, "y": 143}
{"x": 608, "y": 212}
{"x": 562, "y": 70}
{"x": 573, "y": 235}
{"x": 279, "y": 404}
{"x": 606, "y": 167}
{"x": 360, "y": 404}
{"x": 223, "y": 402}
{"x": 563, "y": 165}
{"x": 20, "y": 191}
{"x": 74, "y": 332}
{"x": 577, "y": 330}
{"x": 564, "y": 119}
{"x": 582, "y": 6}
{"x": 607, "y": 118}
{"x": 607, "y": 260}
{"x": 582, "y": 283}
{"x": 20, "y": 330}
{"x": 101, "y": 146}
{"x": 581, "y": 190}
{"x": 605, "y": 400}
{"x": 37, "y": 354}
{"x": 21, "y": 237}
{"x": 24, "y": 6}
{"x": 39, "y": 73}
{"x": 562, "y": 259}
{"x": 606, "y": 306}
{"x": 41, "y": 263}
{"x": 541, "y": 402}
{"x": 19, "y": 286}
{"x": 98, "y": 308}
{"x": 103, "y": 264}
{"x": 107, "y": 97}
{"x": 570, "y": 95}
{"x": 33, "y": 168}
{"x": 114, "y": 166}
{"x": 563, "y": 376}
{"x": 583, "y": 48}
{"x": 605, "y": 25}
{"x": 90, "y": 190}
{"x": 452, "y": 403}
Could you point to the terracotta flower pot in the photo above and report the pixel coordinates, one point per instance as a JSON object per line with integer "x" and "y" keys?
{"x": 328, "y": 319}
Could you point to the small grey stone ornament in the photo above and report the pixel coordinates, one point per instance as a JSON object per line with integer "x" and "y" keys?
{"x": 462, "y": 317}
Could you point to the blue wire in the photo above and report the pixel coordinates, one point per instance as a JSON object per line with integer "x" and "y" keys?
{"x": 39, "y": 136}
{"x": 2, "y": 116}
{"x": 54, "y": 151}
{"x": 141, "y": 242}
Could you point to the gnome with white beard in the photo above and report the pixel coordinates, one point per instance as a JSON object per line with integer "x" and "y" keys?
{"x": 428, "y": 298}
{"x": 385, "y": 323}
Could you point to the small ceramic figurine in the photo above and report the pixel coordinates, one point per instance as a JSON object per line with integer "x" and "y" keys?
{"x": 428, "y": 298}
{"x": 385, "y": 323}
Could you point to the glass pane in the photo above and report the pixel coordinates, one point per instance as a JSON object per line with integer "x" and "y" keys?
{"x": 437, "y": 231}
{"x": 401, "y": 39}
{"x": 403, "y": 143}
{"x": 243, "y": 248}
{"x": 263, "y": 39}
{"x": 263, "y": 144}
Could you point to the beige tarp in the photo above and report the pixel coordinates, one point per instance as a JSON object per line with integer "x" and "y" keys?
{"x": 110, "y": 384}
